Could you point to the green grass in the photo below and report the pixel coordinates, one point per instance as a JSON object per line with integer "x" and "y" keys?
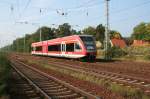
{"x": 126, "y": 92}
{"x": 141, "y": 53}
{"x": 4, "y": 73}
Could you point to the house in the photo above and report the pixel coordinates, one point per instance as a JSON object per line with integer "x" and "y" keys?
{"x": 140, "y": 43}
{"x": 118, "y": 42}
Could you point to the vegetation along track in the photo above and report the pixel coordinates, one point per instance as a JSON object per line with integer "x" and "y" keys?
{"x": 143, "y": 84}
{"x": 129, "y": 81}
{"x": 48, "y": 86}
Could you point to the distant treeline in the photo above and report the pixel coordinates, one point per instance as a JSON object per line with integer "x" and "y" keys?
{"x": 141, "y": 32}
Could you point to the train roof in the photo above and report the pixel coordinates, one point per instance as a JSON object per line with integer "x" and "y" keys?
{"x": 86, "y": 35}
{"x": 64, "y": 38}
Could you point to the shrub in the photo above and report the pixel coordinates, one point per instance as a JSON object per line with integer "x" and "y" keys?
{"x": 4, "y": 73}
{"x": 147, "y": 57}
{"x": 116, "y": 52}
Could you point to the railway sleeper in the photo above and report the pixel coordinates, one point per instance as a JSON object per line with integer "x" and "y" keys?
{"x": 51, "y": 87}
{"x": 28, "y": 89}
{"x": 36, "y": 98}
{"x": 56, "y": 90}
{"x": 37, "y": 78}
{"x": 146, "y": 85}
{"x": 44, "y": 81}
{"x": 31, "y": 93}
{"x": 70, "y": 96}
{"x": 81, "y": 98}
{"x": 49, "y": 84}
{"x": 60, "y": 93}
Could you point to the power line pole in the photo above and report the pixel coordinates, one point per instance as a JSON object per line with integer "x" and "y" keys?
{"x": 107, "y": 38}
{"x": 40, "y": 27}
{"x": 40, "y": 33}
{"x": 24, "y": 43}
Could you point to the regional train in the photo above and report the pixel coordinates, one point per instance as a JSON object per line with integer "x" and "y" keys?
{"x": 75, "y": 47}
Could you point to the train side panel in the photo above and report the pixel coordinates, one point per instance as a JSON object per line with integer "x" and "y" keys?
{"x": 69, "y": 47}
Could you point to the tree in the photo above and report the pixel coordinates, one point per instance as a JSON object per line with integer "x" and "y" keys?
{"x": 74, "y": 32}
{"x": 90, "y": 31}
{"x": 64, "y": 30}
{"x": 128, "y": 40}
{"x": 115, "y": 34}
{"x": 147, "y": 36}
{"x": 141, "y": 31}
{"x": 100, "y": 33}
{"x": 47, "y": 33}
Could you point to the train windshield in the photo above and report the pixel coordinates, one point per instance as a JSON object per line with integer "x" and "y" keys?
{"x": 89, "y": 42}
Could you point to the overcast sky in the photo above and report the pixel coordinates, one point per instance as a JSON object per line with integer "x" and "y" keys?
{"x": 124, "y": 15}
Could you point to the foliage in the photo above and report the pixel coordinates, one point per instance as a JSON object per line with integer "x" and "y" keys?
{"x": 4, "y": 73}
{"x": 23, "y": 44}
{"x": 115, "y": 34}
{"x": 89, "y": 30}
{"x": 140, "y": 53}
{"x": 115, "y": 52}
{"x": 100, "y": 33}
{"x": 128, "y": 41}
{"x": 147, "y": 57}
{"x": 142, "y": 32}
{"x": 64, "y": 30}
{"x": 140, "y": 50}
{"x": 47, "y": 33}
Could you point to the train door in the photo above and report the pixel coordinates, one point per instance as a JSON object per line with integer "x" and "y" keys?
{"x": 45, "y": 49}
{"x": 63, "y": 49}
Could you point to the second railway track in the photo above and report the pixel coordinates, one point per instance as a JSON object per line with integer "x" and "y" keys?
{"x": 130, "y": 81}
{"x": 48, "y": 86}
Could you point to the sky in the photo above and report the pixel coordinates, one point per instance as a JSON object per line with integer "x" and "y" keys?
{"x": 124, "y": 15}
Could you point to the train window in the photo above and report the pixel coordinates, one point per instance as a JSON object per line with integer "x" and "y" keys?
{"x": 38, "y": 48}
{"x": 54, "y": 47}
{"x": 84, "y": 38}
{"x": 70, "y": 47}
{"x": 77, "y": 46}
{"x": 88, "y": 42}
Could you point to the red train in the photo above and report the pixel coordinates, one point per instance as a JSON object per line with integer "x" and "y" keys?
{"x": 75, "y": 46}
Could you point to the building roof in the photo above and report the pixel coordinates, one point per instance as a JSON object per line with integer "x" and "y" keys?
{"x": 140, "y": 42}
{"x": 118, "y": 42}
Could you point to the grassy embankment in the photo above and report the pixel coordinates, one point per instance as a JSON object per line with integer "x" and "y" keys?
{"x": 141, "y": 53}
{"x": 4, "y": 75}
{"x": 125, "y": 91}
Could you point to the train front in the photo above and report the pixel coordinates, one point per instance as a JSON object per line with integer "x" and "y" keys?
{"x": 90, "y": 47}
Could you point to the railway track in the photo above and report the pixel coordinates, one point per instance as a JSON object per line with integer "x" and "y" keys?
{"x": 20, "y": 88}
{"x": 47, "y": 86}
{"x": 130, "y": 81}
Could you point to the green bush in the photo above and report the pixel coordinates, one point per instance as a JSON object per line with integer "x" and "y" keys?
{"x": 140, "y": 50}
{"x": 147, "y": 57}
{"x": 116, "y": 52}
{"x": 4, "y": 73}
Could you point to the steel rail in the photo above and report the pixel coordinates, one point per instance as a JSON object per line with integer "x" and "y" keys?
{"x": 123, "y": 79}
{"x": 32, "y": 83}
{"x": 77, "y": 90}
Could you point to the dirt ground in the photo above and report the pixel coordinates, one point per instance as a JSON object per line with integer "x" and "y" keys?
{"x": 84, "y": 85}
{"x": 131, "y": 68}
{"x": 136, "y": 69}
